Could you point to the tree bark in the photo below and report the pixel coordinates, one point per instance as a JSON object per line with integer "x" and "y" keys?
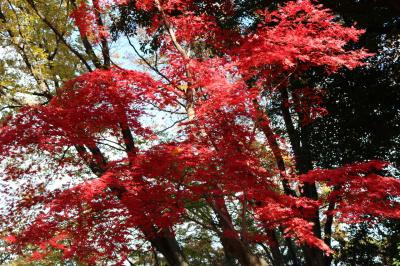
{"x": 231, "y": 242}
{"x": 164, "y": 241}
{"x": 276, "y": 253}
{"x": 302, "y": 154}
{"x": 263, "y": 123}
{"x": 166, "y": 244}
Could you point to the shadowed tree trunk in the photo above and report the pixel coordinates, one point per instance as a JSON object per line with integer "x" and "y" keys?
{"x": 301, "y": 150}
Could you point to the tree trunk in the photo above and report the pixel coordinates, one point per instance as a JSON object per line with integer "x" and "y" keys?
{"x": 302, "y": 154}
{"x": 167, "y": 245}
{"x": 263, "y": 123}
{"x": 231, "y": 242}
{"x": 163, "y": 242}
{"x": 276, "y": 253}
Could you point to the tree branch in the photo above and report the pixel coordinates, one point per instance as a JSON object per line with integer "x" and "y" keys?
{"x": 59, "y": 35}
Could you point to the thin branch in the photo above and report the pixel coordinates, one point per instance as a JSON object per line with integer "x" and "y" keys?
{"x": 171, "y": 126}
{"x": 10, "y": 107}
{"x": 59, "y": 35}
{"x": 212, "y": 228}
{"x": 167, "y": 111}
{"x": 111, "y": 146}
{"x": 104, "y": 43}
{"x": 154, "y": 68}
{"x": 65, "y": 152}
{"x": 171, "y": 31}
{"x": 113, "y": 142}
{"x": 130, "y": 262}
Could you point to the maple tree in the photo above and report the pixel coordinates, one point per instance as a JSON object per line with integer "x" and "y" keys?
{"x": 226, "y": 170}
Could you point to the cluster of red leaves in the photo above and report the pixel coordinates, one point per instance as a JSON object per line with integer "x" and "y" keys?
{"x": 88, "y": 105}
{"x": 294, "y": 215}
{"x": 86, "y": 17}
{"x": 309, "y": 102}
{"x": 359, "y": 191}
{"x": 168, "y": 5}
{"x": 94, "y": 103}
{"x": 81, "y": 222}
{"x": 300, "y": 35}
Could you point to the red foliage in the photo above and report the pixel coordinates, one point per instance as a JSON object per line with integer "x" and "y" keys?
{"x": 217, "y": 158}
{"x": 359, "y": 191}
{"x": 299, "y": 35}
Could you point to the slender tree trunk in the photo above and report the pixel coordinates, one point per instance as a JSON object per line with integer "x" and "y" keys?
{"x": 277, "y": 256}
{"x": 263, "y": 123}
{"x": 164, "y": 241}
{"x": 104, "y": 43}
{"x": 230, "y": 239}
{"x": 302, "y": 154}
{"x": 328, "y": 225}
{"x": 166, "y": 244}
